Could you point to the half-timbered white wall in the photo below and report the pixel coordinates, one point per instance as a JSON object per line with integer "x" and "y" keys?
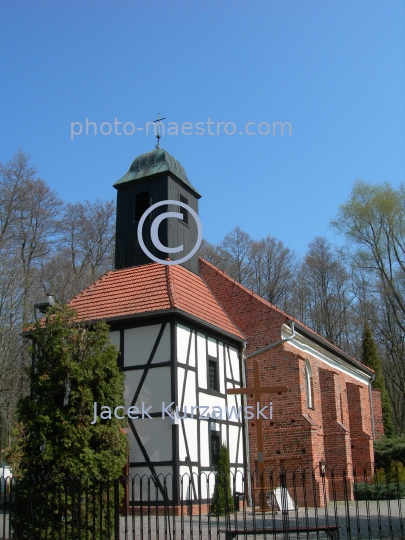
{"x": 194, "y": 347}
{"x": 158, "y": 371}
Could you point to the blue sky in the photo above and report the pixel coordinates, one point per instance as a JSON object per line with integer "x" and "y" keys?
{"x": 334, "y": 70}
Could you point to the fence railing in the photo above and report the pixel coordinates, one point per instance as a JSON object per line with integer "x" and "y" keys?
{"x": 355, "y": 502}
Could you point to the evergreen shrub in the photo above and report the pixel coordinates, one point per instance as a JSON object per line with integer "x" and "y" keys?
{"x": 222, "y": 499}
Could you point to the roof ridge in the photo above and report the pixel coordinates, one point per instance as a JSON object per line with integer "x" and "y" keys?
{"x": 170, "y": 288}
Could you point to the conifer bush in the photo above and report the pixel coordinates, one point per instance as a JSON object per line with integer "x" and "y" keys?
{"x": 222, "y": 500}
{"x": 388, "y": 449}
{"x": 63, "y": 464}
{"x": 371, "y": 359}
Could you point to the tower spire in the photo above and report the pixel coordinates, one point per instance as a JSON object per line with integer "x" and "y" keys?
{"x": 158, "y": 136}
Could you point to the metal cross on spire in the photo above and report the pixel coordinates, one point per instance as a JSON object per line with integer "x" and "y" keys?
{"x": 158, "y": 136}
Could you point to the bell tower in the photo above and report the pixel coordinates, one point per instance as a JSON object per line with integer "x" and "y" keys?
{"x": 152, "y": 178}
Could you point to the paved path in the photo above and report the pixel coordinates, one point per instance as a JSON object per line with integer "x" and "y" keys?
{"x": 358, "y": 520}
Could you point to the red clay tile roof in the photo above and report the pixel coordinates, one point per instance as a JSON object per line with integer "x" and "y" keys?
{"x": 149, "y": 288}
{"x": 203, "y": 262}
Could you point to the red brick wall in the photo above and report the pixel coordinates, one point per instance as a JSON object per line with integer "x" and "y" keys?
{"x": 297, "y": 435}
{"x": 378, "y": 418}
{"x": 336, "y": 437}
{"x": 360, "y": 423}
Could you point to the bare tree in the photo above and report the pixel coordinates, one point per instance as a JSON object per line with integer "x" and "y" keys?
{"x": 324, "y": 290}
{"x": 12, "y": 353}
{"x": 274, "y": 269}
{"x": 235, "y": 252}
{"x": 210, "y": 252}
{"x": 44, "y": 247}
{"x": 15, "y": 182}
{"x": 85, "y": 249}
{"x": 36, "y": 228}
{"x": 28, "y": 209}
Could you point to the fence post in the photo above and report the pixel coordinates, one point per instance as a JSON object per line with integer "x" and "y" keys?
{"x": 116, "y": 509}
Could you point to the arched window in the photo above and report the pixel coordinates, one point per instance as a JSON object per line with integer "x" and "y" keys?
{"x": 308, "y": 384}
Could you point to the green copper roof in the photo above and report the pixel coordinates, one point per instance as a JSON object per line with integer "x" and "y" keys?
{"x": 154, "y": 162}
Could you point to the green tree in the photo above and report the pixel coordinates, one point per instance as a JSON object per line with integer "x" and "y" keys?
{"x": 222, "y": 500}
{"x": 391, "y": 449}
{"x": 74, "y": 365}
{"x": 371, "y": 359}
{"x": 373, "y": 223}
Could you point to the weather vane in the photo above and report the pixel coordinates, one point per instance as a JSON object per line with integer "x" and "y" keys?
{"x": 158, "y": 136}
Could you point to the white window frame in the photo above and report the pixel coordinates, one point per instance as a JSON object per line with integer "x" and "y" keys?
{"x": 308, "y": 384}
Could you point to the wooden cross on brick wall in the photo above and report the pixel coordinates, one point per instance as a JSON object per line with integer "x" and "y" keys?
{"x": 257, "y": 390}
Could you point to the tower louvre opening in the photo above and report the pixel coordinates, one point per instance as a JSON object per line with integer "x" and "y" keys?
{"x": 184, "y": 211}
{"x": 141, "y": 204}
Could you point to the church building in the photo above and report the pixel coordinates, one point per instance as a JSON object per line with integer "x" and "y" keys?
{"x": 188, "y": 335}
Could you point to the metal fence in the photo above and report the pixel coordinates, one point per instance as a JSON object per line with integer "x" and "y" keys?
{"x": 360, "y": 503}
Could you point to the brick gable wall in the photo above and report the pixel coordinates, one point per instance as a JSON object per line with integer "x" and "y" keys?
{"x": 337, "y": 429}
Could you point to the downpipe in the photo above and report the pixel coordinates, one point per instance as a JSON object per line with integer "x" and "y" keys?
{"x": 260, "y": 351}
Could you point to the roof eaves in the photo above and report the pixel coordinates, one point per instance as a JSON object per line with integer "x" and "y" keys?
{"x": 332, "y": 348}
{"x": 173, "y": 311}
{"x": 211, "y": 326}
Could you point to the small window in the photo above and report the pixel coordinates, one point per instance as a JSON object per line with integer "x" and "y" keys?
{"x": 212, "y": 375}
{"x": 215, "y": 446}
{"x": 308, "y": 384}
{"x": 141, "y": 204}
{"x": 184, "y": 211}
